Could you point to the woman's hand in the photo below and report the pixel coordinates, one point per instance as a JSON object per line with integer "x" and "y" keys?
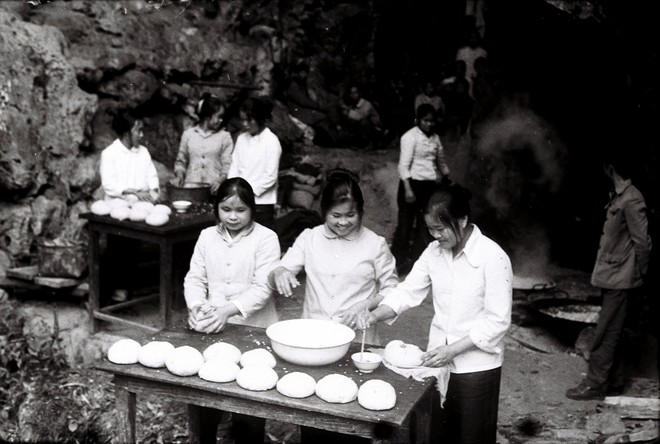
{"x": 366, "y": 320}
{"x": 214, "y": 321}
{"x": 284, "y": 281}
{"x": 439, "y": 357}
{"x": 350, "y": 317}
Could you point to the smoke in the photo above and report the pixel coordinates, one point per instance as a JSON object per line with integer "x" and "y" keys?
{"x": 521, "y": 168}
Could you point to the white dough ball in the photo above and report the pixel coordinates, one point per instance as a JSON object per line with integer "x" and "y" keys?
{"x": 184, "y": 361}
{"x": 258, "y": 356}
{"x": 137, "y": 214}
{"x": 124, "y": 351}
{"x": 377, "y": 394}
{"x": 154, "y": 354}
{"x": 222, "y": 350}
{"x": 157, "y": 218}
{"x": 218, "y": 369}
{"x": 118, "y": 203}
{"x": 296, "y": 385}
{"x": 400, "y": 354}
{"x": 336, "y": 388}
{"x": 162, "y": 209}
{"x": 143, "y": 205}
{"x": 256, "y": 378}
{"x": 120, "y": 213}
{"x": 100, "y": 208}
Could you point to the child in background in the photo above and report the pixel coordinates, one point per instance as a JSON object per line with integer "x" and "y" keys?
{"x": 227, "y": 280}
{"x": 421, "y": 166}
{"x": 256, "y": 158}
{"x": 346, "y": 264}
{"x": 205, "y": 149}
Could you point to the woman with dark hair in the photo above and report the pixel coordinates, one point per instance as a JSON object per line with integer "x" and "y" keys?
{"x": 205, "y": 149}
{"x": 469, "y": 277}
{"x": 421, "y": 166}
{"x": 227, "y": 280}
{"x": 256, "y": 158}
{"x": 346, "y": 264}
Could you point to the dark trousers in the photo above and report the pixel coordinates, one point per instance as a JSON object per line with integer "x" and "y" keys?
{"x": 605, "y": 360}
{"x": 411, "y": 237}
{"x": 244, "y": 430}
{"x": 265, "y": 215}
{"x": 469, "y": 415}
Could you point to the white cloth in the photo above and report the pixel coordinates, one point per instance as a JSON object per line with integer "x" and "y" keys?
{"x": 123, "y": 168}
{"x": 472, "y": 296}
{"x": 421, "y": 156}
{"x": 257, "y": 160}
{"x": 225, "y": 269}
{"x": 441, "y": 374}
{"x": 341, "y": 271}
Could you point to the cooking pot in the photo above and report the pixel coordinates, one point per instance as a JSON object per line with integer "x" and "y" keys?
{"x": 532, "y": 283}
{"x": 574, "y": 311}
{"x": 196, "y": 192}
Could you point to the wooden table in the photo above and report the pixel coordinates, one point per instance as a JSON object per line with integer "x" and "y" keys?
{"x": 180, "y": 228}
{"x": 408, "y": 422}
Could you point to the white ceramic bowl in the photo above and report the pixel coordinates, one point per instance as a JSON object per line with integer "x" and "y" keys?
{"x": 181, "y": 206}
{"x": 310, "y": 342}
{"x": 366, "y": 362}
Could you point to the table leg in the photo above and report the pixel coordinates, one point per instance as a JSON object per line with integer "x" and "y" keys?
{"x": 166, "y": 279}
{"x": 202, "y": 424}
{"x": 125, "y": 403}
{"x": 94, "y": 259}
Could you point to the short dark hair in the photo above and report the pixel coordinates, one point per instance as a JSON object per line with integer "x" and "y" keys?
{"x": 449, "y": 203}
{"x": 236, "y": 186}
{"x": 341, "y": 186}
{"x": 425, "y": 109}
{"x": 209, "y": 105}
{"x": 123, "y": 121}
{"x": 258, "y": 109}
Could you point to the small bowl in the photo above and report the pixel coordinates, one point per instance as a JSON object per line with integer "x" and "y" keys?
{"x": 181, "y": 206}
{"x": 366, "y": 362}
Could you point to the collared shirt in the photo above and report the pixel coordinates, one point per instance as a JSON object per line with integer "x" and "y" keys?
{"x": 225, "y": 269}
{"x": 341, "y": 271}
{"x": 123, "y": 168}
{"x": 421, "y": 156}
{"x": 257, "y": 160}
{"x": 625, "y": 245}
{"x": 472, "y": 296}
{"x": 364, "y": 110}
{"x": 204, "y": 156}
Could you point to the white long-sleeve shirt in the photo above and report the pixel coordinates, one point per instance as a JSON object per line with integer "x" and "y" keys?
{"x": 472, "y": 296}
{"x": 257, "y": 160}
{"x": 422, "y": 157}
{"x": 123, "y": 168}
{"x": 234, "y": 270}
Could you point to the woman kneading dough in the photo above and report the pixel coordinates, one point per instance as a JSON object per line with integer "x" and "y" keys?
{"x": 346, "y": 264}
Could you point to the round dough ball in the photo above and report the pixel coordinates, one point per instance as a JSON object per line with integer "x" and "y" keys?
{"x": 118, "y": 203}
{"x": 124, "y": 351}
{"x": 296, "y": 385}
{"x": 400, "y": 354}
{"x": 154, "y": 354}
{"x": 336, "y": 388}
{"x": 223, "y": 350}
{"x": 376, "y": 394}
{"x": 100, "y": 208}
{"x": 184, "y": 361}
{"x": 119, "y": 213}
{"x": 157, "y": 218}
{"x": 162, "y": 209}
{"x": 137, "y": 214}
{"x": 258, "y": 356}
{"x": 218, "y": 369}
{"x": 257, "y": 378}
{"x": 143, "y": 205}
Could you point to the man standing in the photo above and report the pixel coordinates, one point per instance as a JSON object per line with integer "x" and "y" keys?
{"x": 620, "y": 271}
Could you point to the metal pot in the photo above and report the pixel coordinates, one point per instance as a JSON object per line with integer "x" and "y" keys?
{"x": 573, "y": 311}
{"x": 196, "y": 192}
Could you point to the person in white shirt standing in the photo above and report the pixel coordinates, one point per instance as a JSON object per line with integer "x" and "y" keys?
{"x": 469, "y": 277}
{"x": 127, "y": 172}
{"x": 256, "y": 158}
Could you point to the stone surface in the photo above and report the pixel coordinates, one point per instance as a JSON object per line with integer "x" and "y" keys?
{"x": 605, "y": 423}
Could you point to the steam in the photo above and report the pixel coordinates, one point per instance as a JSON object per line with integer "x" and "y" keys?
{"x": 522, "y": 166}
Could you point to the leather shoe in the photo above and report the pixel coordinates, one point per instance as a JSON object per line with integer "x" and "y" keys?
{"x": 582, "y": 392}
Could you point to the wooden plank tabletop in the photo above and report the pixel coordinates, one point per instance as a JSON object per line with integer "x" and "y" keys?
{"x": 201, "y": 218}
{"x": 408, "y": 391}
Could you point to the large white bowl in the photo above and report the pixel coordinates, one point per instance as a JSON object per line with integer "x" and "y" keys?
{"x": 310, "y": 341}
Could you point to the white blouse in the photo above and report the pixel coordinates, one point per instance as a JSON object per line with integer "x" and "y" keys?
{"x": 225, "y": 269}
{"x": 123, "y": 168}
{"x": 472, "y": 296}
